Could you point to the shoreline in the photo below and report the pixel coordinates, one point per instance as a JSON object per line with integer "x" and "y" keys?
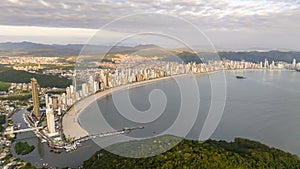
{"x": 71, "y": 127}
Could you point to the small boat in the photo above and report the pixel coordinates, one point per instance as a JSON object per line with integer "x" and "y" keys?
{"x": 56, "y": 151}
{"x": 240, "y": 77}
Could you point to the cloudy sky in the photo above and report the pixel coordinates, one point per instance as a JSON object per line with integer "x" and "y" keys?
{"x": 228, "y": 24}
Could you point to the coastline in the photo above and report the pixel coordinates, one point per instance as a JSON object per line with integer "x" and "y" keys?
{"x": 71, "y": 127}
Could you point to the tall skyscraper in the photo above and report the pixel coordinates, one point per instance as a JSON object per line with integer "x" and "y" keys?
{"x": 294, "y": 64}
{"x": 35, "y": 97}
{"x": 50, "y": 119}
{"x": 55, "y": 102}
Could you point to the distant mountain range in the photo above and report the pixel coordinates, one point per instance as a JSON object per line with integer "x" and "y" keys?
{"x": 36, "y": 49}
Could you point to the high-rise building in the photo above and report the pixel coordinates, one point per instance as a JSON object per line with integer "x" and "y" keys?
{"x": 50, "y": 119}
{"x": 35, "y": 97}
{"x": 55, "y": 102}
{"x": 266, "y": 64}
{"x": 294, "y": 64}
{"x": 84, "y": 89}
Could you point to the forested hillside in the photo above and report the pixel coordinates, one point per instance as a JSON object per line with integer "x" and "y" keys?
{"x": 241, "y": 153}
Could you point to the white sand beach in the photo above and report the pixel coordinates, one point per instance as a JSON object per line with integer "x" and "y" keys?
{"x": 70, "y": 123}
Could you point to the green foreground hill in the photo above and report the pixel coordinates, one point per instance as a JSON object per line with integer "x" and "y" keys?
{"x": 241, "y": 153}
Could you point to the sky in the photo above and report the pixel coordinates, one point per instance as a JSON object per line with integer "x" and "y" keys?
{"x": 227, "y": 24}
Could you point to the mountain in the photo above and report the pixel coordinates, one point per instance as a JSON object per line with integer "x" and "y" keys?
{"x": 257, "y": 56}
{"x": 241, "y": 153}
{"x": 36, "y": 49}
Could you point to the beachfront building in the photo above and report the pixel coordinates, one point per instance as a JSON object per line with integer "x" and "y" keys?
{"x": 35, "y": 97}
{"x": 50, "y": 119}
{"x": 95, "y": 80}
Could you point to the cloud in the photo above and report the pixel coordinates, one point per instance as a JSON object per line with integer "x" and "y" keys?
{"x": 95, "y": 13}
{"x": 14, "y": 1}
{"x": 222, "y": 17}
{"x": 44, "y": 3}
{"x": 56, "y": 35}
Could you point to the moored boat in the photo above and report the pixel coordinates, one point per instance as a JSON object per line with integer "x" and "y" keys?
{"x": 240, "y": 77}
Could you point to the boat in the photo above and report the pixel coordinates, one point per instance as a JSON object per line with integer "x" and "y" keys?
{"x": 56, "y": 151}
{"x": 43, "y": 140}
{"x": 240, "y": 77}
{"x": 70, "y": 147}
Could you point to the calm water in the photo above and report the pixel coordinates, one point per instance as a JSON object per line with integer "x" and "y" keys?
{"x": 264, "y": 107}
{"x": 42, "y": 154}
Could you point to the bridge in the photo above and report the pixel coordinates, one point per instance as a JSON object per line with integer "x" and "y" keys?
{"x": 23, "y": 130}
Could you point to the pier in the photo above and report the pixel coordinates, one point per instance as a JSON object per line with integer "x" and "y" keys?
{"x": 73, "y": 146}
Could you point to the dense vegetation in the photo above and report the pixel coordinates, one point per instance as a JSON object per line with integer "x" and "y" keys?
{"x": 58, "y": 91}
{"x": 20, "y": 76}
{"x": 28, "y": 166}
{"x": 23, "y": 148}
{"x": 241, "y": 153}
{"x": 2, "y": 121}
{"x": 22, "y": 97}
{"x": 4, "y": 86}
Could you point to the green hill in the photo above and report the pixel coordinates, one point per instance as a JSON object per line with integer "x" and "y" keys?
{"x": 241, "y": 153}
{"x": 20, "y": 76}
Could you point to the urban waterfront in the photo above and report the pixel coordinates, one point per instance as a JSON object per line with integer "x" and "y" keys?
{"x": 263, "y": 107}
{"x": 271, "y": 118}
{"x": 42, "y": 155}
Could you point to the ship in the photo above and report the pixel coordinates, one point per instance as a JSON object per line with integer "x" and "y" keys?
{"x": 240, "y": 77}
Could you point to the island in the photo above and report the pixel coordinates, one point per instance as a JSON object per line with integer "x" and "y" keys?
{"x": 23, "y": 148}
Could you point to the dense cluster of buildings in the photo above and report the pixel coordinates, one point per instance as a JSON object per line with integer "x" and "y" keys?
{"x": 64, "y": 73}
{"x": 92, "y": 80}
{"x": 30, "y": 63}
{"x": 28, "y": 60}
{"x": 48, "y": 108}
{"x": 294, "y": 65}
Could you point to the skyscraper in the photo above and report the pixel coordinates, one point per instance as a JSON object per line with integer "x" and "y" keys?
{"x": 294, "y": 64}
{"x": 50, "y": 119}
{"x": 55, "y": 102}
{"x": 35, "y": 97}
